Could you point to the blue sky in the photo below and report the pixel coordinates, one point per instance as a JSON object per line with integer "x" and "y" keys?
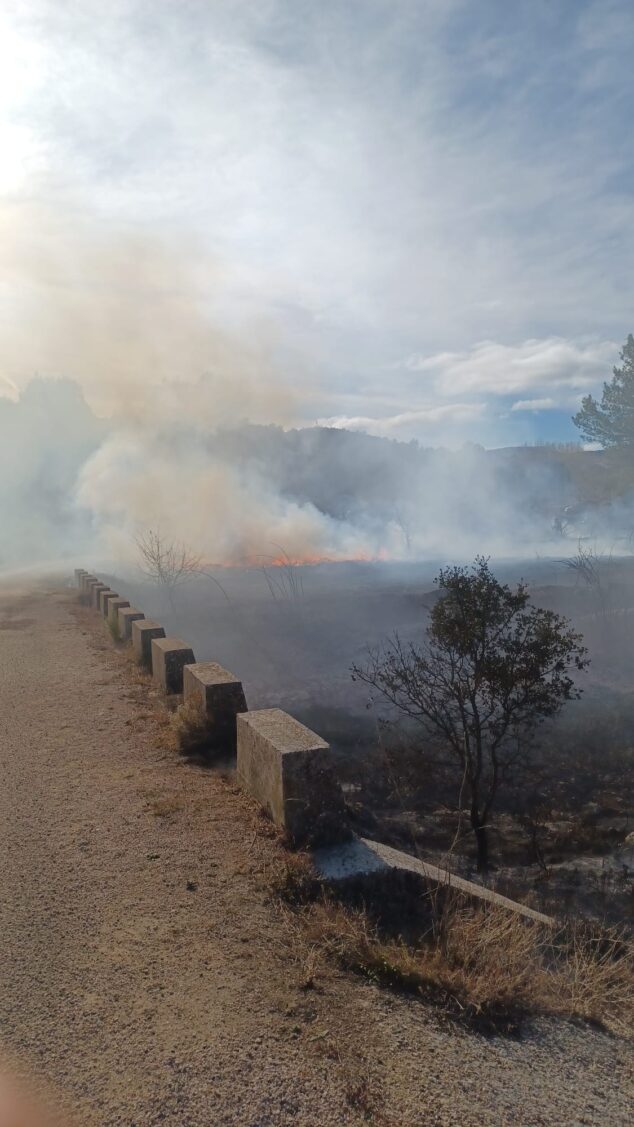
{"x": 415, "y": 217}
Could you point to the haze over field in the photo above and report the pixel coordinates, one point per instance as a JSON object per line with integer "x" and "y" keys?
{"x": 353, "y": 215}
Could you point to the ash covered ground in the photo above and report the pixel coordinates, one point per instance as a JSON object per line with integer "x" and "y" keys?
{"x": 292, "y": 635}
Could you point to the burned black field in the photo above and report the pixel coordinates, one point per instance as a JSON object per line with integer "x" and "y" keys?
{"x": 562, "y": 838}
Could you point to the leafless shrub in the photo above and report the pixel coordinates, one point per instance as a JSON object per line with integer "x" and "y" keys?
{"x": 284, "y": 579}
{"x": 165, "y": 562}
{"x": 588, "y": 565}
{"x": 169, "y": 564}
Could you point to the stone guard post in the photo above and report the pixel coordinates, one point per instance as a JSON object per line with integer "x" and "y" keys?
{"x": 169, "y": 658}
{"x": 220, "y": 696}
{"x": 94, "y": 591}
{"x": 289, "y": 770}
{"x": 128, "y": 615}
{"x": 104, "y": 599}
{"x": 114, "y": 607}
{"x": 143, "y": 633}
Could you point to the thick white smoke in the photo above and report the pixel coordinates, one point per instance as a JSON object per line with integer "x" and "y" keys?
{"x": 141, "y": 325}
{"x": 229, "y": 514}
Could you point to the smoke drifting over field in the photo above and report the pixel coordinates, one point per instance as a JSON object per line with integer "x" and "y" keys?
{"x": 138, "y": 324}
{"x": 180, "y": 413}
{"x": 136, "y": 318}
{"x": 242, "y": 493}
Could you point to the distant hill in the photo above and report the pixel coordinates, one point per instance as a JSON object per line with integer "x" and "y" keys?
{"x": 399, "y": 498}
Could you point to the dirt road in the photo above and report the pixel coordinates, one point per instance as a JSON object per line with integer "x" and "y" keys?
{"x": 149, "y": 978}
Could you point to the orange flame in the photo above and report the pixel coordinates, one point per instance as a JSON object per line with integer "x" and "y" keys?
{"x": 306, "y": 559}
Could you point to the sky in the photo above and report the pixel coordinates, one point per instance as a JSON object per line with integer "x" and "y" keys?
{"x": 410, "y": 218}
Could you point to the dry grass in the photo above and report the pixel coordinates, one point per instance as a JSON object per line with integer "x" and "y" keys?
{"x": 596, "y": 975}
{"x": 135, "y": 668}
{"x": 187, "y": 731}
{"x": 190, "y": 728}
{"x": 165, "y": 807}
{"x": 115, "y": 633}
{"x": 294, "y": 879}
{"x": 481, "y": 964}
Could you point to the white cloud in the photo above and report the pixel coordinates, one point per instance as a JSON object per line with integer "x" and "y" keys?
{"x": 546, "y": 404}
{"x": 454, "y": 184}
{"x": 553, "y": 365}
{"x": 409, "y": 423}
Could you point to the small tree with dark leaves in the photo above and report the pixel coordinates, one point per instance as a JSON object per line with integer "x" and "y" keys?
{"x": 493, "y": 668}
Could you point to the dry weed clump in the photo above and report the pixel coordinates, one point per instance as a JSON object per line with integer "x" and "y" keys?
{"x": 487, "y": 966}
{"x": 184, "y": 728}
{"x": 190, "y": 728}
{"x": 596, "y": 974}
{"x": 165, "y": 807}
{"x": 294, "y": 879}
{"x": 192, "y": 732}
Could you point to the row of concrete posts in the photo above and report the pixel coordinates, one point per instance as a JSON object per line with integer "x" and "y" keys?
{"x": 288, "y": 769}
{"x": 282, "y": 764}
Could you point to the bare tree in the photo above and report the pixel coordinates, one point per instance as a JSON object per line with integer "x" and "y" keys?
{"x": 167, "y": 563}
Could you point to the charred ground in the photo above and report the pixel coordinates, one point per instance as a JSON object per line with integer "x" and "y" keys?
{"x": 561, "y": 836}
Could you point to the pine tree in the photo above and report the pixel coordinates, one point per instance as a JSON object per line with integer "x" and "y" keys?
{"x": 611, "y": 422}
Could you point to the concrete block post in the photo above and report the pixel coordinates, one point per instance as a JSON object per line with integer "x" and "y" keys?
{"x": 97, "y": 596}
{"x": 84, "y": 584}
{"x": 95, "y": 589}
{"x": 128, "y": 615}
{"x": 79, "y": 571}
{"x": 288, "y": 769}
{"x": 143, "y": 634}
{"x": 114, "y": 605}
{"x": 221, "y": 698}
{"x": 104, "y": 599}
{"x": 169, "y": 658}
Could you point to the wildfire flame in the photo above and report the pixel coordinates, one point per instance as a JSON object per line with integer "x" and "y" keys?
{"x": 306, "y": 559}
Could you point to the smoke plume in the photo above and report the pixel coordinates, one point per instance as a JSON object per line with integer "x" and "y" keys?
{"x": 176, "y": 411}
